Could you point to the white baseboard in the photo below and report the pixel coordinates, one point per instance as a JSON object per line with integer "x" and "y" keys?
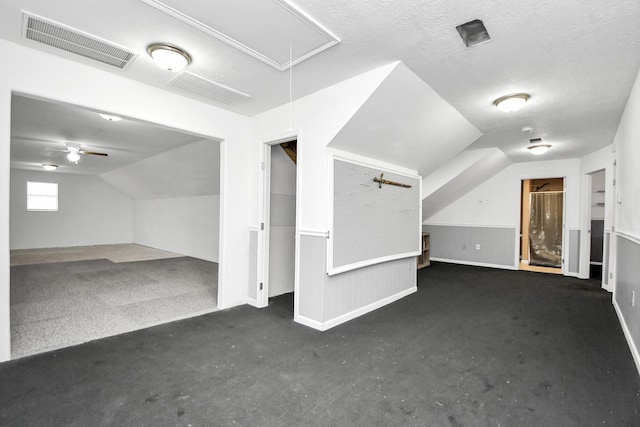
{"x": 323, "y": 326}
{"x": 477, "y": 264}
{"x": 314, "y": 324}
{"x": 252, "y": 302}
{"x": 627, "y": 335}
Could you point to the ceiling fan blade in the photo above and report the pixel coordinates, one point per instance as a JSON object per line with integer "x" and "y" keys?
{"x": 93, "y": 153}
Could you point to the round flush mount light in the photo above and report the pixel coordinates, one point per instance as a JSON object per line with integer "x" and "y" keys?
{"x": 110, "y": 117}
{"x": 511, "y": 103}
{"x": 538, "y": 149}
{"x": 49, "y": 167}
{"x": 169, "y": 57}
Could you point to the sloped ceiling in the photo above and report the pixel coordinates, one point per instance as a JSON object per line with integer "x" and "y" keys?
{"x": 407, "y": 123}
{"x": 40, "y": 130}
{"x": 189, "y": 171}
{"x": 458, "y": 177}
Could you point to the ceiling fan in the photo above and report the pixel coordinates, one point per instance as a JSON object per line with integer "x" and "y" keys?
{"x": 73, "y": 152}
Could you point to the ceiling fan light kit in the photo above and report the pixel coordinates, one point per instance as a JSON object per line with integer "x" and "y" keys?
{"x": 169, "y": 57}
{"x": 73, "y": 155}
{"x": 511, "y": 103}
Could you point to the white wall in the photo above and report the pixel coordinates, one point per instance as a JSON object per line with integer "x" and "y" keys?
{"x": 90, "y": 212}
{"x": 627, "y": 222}
{"x": 90, "y": 87}
{"x": 317, "y": 118}
{"x": 185, "y": 225}
{"x": 496, "y": 202}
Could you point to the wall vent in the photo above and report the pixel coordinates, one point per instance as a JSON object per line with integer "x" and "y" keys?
{"x": 205, "y": 88}
{"x": 76, "y": 42}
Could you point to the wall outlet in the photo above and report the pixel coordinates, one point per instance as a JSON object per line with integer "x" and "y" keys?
{"x": 477, "y": 246}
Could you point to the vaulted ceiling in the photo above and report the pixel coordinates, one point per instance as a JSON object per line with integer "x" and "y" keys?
{"x": 577, "y": 59}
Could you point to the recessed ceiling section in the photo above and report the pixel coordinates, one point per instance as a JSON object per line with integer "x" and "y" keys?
{"x": 273, "y": 31}
{"x": 205, "y": 88}
{"x": 71, "y": 41}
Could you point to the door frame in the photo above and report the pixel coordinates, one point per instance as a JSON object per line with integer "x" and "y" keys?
{"x": 264, "y": 219}
{"x": 565, "y": 231}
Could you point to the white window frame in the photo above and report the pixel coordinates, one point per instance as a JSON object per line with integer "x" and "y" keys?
{"x": 37, "y": 193}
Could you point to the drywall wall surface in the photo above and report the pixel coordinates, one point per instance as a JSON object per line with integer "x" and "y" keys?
{"x": 406, "y": 123}
{"x": 467, "y": 177}
{"x": 628, "y": 172}
{"x": 492, "y": 246}
{"x": 90, "y": 212}
{"x": 496, "y": 202}
{"x": 316, "y": 119}
{"x": 282, "y": 219}
{"x": 90, "y": 87}
{"x": 188, "y": 171}
{"x": 186, "y": 225}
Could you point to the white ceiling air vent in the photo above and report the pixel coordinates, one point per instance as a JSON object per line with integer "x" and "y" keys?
{"x": 73, "y": 41}
{"x": 205, "y": 88}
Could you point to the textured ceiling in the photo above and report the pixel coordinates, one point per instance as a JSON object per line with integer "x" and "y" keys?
{"x": 577, "y": 59}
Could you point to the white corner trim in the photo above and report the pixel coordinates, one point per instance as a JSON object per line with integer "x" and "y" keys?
{"x": 627, "y": 334}
{"x": 353, "y": 266}
{"x": 314, "y": 233}
{"x": 474, "y": 263}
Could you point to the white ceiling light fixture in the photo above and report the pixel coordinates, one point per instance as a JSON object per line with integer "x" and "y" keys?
{"x": 169, "y": 57}
{"x": 110, "y": 117}
{"x": 537, "y": 147}
{"x": 511, "y": 103}
{"x": 73, "y": 155}
{"x": 49, "y": 167}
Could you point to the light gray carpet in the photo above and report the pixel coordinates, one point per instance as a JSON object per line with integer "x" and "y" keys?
{"x": 56, "y": 305}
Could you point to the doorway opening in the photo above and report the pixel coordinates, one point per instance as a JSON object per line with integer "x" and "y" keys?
{"x": 134, "y": 240}
{"x": 278, "y": 231}
{"x": 596, "y": 225}
{"x": 542, "y": 225}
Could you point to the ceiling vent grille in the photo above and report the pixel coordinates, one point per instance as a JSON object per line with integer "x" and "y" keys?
{"x": 205, "y": 88}
{"x": 76, "y": 42}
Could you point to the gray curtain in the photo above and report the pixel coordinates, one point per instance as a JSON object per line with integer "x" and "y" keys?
{"x": 545, "y": 229}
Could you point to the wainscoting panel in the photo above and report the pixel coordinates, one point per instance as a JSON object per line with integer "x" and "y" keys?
{"x": 627, "y": 291}
{"x": 253, "y": 266}
{"x": 458, "y": 243}
{"x": 313, "y": 252}
{"x": 605, "y": 261}
{"x": 573, "y": 252}
{"x": 331, "y": 300}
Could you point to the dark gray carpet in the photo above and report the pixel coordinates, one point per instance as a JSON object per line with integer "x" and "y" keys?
{"x": 474, "y": 347}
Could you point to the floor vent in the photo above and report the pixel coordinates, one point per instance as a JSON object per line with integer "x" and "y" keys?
{"x": 205, "y": 88}
{"x": 76, "y": 42}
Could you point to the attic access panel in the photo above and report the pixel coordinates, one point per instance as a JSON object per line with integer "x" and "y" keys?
{"x": 265, "y": 29}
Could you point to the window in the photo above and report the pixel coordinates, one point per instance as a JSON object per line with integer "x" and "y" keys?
{"x": 42, "y": 196}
